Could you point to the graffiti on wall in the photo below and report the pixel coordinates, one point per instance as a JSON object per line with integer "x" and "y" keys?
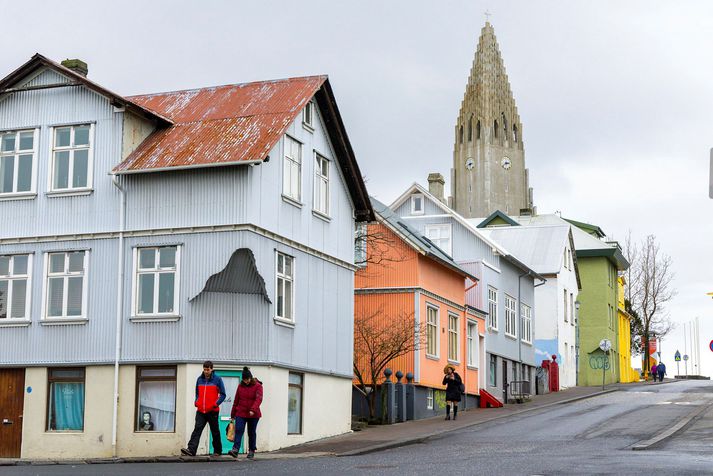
{"x": 599, "y": 362}
{"x": 439, "y": 399}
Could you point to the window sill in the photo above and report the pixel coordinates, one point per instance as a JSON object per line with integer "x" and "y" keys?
{"x": 64, "y": 432}
{"x": 493, "y": 329}
{"x": 308, "y": 127}
{"x": 155, "y": 318}
{"x": 454, "y": 362}
{"x": 284, "y": 322}
{"x": 292, "y": 201}
{"x": 18, "y": 196}
{"x": 432, "y": 357}
{"x": 64, "y": 321}
{"x": 471, "y": 367}
{"x": 321, "y": 216}
{"x": 69, "y": 193}
{"x": 15, "y": 322}
{"x": 511, "y": 336}
{"x": 153, "y": 432}
{"x": 527, "y": 343}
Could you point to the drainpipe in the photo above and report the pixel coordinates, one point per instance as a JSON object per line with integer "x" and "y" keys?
{"x": 119, "y": 311}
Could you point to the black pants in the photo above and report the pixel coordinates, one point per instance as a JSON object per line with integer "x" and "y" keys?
{"x": 212, "y": 420}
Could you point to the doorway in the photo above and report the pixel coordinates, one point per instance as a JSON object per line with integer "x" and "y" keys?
{"x": 231, "y": 379}
{"x": 12, "y": 387}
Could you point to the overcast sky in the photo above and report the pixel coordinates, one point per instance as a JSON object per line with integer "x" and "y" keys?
{"x": 615, "y": 100}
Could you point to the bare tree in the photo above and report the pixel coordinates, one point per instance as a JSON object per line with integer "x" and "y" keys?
{"x": 650, "y": 288}
{"x": 378, "y": 340}
{"x": 374, "y": 244}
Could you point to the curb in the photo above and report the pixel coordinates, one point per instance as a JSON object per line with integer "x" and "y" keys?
{"x": 671, "y": 431}
{"x": 422, "y": 438}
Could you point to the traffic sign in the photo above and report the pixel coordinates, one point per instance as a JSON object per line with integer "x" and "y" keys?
{"x": 605, "y": 345}
{"x": 677, "y": 357}
{"x": 685, "y": 357}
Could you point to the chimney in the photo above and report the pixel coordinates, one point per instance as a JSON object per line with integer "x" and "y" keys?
{"x": 435, "y": 186}
{"x": 76, "y": 65}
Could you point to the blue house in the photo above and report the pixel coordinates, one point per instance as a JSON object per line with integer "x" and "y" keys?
{"x": 143, "y": 235}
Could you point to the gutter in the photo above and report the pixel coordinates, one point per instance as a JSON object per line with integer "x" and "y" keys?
{"x": 119, "y": 312}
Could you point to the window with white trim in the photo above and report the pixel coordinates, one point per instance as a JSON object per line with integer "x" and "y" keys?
{"x": 66, "y": 285}
{"x": 308, "y": 115}
{"x": 526, "y": 316}
{"x": 71, "y": 158}
{"x": 417, "y": 204}
{"x": 15, "y": 287}
{"x": 453, "y": 340}
{"x": 292, "y": 170}
{"x": 284, "y": 308}
{"x": 571, "y": 308}
{"x": 440, "y": 235}
{"x": 429, "y": 399}
{"x": 156, "y": 281}
{"x": 510, "y": 316}
{"x": 321, "y": 184}
{"x": 432, "y": 331}
{"x": 17, "y": 162}
{"x": 492, "y": 308}
{"x": 565, "y": 308}
{"x": 472, "y": 335}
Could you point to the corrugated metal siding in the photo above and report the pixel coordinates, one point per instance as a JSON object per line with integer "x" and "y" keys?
{"x": 392, "y": 263}
{"x": 221, "y": 124}
{"x": 385, "y": 307}
{"x": 47, "y": 77}
{"x": 46, "y": 215}
{"x": 90, "y": 342}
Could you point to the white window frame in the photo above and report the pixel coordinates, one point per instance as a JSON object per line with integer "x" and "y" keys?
{"x": 566, "y": 306}
{"x": 308, "y": 115}
{"x": 438, "y": 233}
{"x": 473, "y": 360}
{"x": 526, "y": 319}
{"x": 291, "y": 165}
{"x": 429, "y": 398}
{"x": 571, "y": 308}
{"x": 454, "y": 332}
{"x": 414, "y": 210}
{"x": 319, "y": 181}
{"x": 284, "y": 277}
{"x": 492, "y": 308}
{"x": 71, "y": 148}
{"x": 510, "y": 316}
{"x": 66, "y": 274}
{"x": 176, "y": 284}
{"x": 11, "y": 277}
{"x": 436, "y": 325}
{"x": 16, "y": 163}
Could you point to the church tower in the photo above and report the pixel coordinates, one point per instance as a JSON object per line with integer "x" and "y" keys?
{"x": 489, "y": 171}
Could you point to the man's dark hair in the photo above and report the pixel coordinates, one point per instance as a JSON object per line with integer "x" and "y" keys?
{"x": 207, "y": 364}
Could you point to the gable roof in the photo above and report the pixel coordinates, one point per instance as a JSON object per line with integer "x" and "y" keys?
{"x": 415, "y": 187}
{"x": 497, "y": 218}
{"x": 414, "y": 239}
{"x": 240, "y": 124}
{"x": 591, "y": 229}
{"x": 540, "y": 247}
{"x": 38, "y": 62}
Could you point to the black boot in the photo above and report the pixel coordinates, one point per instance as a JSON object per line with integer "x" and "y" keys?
{"x": 448, "y": 412}
{"x": 455, "y": 411}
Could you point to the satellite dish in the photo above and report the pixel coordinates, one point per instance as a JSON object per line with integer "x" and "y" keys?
{"x": 605, "y": 345}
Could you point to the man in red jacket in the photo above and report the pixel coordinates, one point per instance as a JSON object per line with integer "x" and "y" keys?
{"x": 210, "y": 393}
{"x": 246, "y": 411}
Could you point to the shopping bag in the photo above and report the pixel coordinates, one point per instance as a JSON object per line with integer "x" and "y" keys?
{"x": 230, "y": 431}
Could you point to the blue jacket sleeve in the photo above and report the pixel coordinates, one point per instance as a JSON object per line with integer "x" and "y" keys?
{"x": 221, "y": 391}
{"x": 196, "y": 399}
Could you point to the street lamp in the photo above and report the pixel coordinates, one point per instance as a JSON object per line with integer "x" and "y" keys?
{"x": 576, "y": 340}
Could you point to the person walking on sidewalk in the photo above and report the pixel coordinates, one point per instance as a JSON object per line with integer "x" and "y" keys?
{"x": 453, "y": 384}
{"x": 661, "y": 369}
{"x": 210, "y": 393}
{"x": 653, "y": 372}
{"x": 246, "y": 412}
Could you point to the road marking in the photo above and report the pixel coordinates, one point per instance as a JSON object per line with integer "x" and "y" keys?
{"x": 664, "y": 403}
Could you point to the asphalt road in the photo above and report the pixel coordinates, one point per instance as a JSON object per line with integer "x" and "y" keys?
{"x": 592, "y": 436}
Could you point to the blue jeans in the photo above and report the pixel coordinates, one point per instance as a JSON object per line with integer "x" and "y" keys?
{"x": 240, "y": 431}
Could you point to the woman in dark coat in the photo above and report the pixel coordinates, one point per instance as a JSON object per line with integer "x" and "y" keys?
{"x": 453, "y": 383}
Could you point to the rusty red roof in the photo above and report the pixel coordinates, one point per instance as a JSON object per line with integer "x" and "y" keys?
{"x": 221, "y": 125}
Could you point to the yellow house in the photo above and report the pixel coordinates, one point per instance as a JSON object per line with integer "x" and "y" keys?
{"x": 626, "y": 373}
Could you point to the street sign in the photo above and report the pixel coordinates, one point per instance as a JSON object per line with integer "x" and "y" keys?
{"x": 685, "y": 357}
{"x": 677, "y": 356}
{"x": 605, "y": 345}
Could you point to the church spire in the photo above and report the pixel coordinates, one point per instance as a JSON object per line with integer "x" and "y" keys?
{"x": 489, "y": 171}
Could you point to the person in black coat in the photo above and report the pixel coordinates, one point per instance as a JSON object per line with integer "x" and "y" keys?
{"x": 453, "y": 384}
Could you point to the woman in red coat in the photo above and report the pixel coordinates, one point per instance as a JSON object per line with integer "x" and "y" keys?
{"x": 246, "y": 411}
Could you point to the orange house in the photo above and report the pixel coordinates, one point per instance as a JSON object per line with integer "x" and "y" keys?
{"x": 406, "y": 276}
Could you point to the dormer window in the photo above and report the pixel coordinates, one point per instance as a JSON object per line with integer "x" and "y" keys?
{"x": 308, "y": 115}
{"x": 71, "y": 158}
{"x": 417, "y": 204}
{"x": 17, "y": 162}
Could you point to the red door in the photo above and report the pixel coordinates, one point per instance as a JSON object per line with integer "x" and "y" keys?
{"x": 12, "y": 384}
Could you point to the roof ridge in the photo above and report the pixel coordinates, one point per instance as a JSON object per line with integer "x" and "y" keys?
{"x": 205, "y": 88}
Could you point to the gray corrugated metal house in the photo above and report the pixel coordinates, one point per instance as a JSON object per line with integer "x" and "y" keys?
{"x": 145, "y": 235}
{"x": 506, "y": 290}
